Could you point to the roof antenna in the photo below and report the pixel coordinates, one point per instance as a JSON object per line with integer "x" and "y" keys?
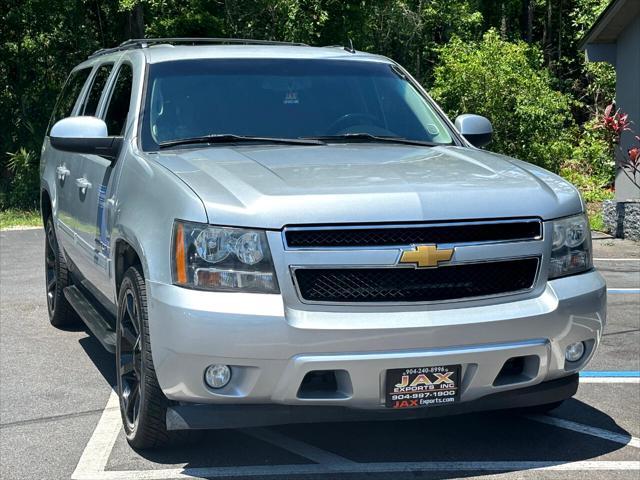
{"x": 350, "y": 48}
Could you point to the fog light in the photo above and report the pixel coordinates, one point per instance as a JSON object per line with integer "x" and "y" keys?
{"x": 217, "y": 376}
{"x": 574, "y": 352}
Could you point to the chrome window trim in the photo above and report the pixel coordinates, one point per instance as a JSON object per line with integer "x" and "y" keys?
{"x": 409, "y": 225}
{"x": 536, "y": 278}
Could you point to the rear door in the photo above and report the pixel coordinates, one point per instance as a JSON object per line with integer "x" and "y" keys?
{"x": 66, "y": 163}
{"x": 99, "y": 174}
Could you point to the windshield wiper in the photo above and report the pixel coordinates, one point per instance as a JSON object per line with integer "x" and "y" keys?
{"x": 367, "y": 137}
{"x": 220, "y": 138}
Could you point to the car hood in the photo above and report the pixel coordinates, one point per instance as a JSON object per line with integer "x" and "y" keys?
{"x": 276, "y": 185}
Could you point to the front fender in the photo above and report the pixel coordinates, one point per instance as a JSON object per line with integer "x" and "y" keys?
{"x": 148, "y": 199}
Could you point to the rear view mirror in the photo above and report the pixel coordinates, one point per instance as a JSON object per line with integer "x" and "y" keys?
{"x": 475, "y": 128}
{"x": 84, "y": 135}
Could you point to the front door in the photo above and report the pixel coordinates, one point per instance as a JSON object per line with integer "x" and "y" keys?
{"x": 99, "y": 177}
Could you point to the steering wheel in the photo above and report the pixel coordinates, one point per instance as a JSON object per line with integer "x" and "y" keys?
{"x": 351, "y": 119}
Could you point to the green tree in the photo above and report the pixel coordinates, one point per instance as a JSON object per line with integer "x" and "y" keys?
{"x": 507, "y": 83}
{"x": 293, "y": 20}
{"x": 40, "y": 42}
{"x": 411, "y": 31}
{"x": 407, "y": 30}
{"x": 535, "y": 92}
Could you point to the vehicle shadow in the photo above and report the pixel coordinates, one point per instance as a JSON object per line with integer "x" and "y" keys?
{"x": 103, "y": 360}
{"x": 480, "y": 437}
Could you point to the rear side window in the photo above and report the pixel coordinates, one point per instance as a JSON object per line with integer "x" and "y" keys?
{"x": 69, "y": 95}
{"x": 118, "y": 109}
{"x": 99, "y": 81}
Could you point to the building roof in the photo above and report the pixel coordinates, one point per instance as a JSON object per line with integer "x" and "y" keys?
{"x": 611, "y": 22}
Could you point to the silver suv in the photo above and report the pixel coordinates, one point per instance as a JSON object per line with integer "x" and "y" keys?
{"x": 270, "y": 233}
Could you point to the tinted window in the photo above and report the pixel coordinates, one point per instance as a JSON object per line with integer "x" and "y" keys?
{"x": 118, "y": 108}
{"x": 69, "y": 95}
{"x": 99, "y": 81}
{"x": 285, "y": 98}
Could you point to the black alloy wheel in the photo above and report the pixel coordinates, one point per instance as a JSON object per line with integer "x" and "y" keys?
{"x": 143, "y": 405}
{"x": 129, "y": 360}
{"x": 51, "y": 274}
{"x": 57, "y": 278}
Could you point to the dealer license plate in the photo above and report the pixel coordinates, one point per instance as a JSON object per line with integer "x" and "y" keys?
{"x": 422, "y": 386}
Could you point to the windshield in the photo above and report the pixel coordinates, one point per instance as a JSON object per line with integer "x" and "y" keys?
{"x": 284, "y": 98}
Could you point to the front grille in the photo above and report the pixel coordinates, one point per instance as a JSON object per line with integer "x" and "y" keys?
{"x": 415, "y": 285}
{"x": 376, "y": 236}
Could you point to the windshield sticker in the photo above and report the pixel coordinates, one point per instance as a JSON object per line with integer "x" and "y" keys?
{"x": 291, "y": 98}
{"x": 432, "y": 129}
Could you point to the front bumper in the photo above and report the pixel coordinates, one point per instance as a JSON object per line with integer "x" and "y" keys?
{"x": 271, "y": 348}
{"x": 208, "y": 416}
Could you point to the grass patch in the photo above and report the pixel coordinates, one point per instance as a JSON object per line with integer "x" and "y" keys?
{"x": 594, "y": 212}
{"x": 596, "y": 222}
{"x": 12, "y": 218}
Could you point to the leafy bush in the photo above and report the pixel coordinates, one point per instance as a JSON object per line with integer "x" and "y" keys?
{"x": 23, "y": 192}
{"x": 592, "y": 188}
{"x": 591, "y": 165}
{"x": 594, "y": 152}
{"x": 507, "y": 83}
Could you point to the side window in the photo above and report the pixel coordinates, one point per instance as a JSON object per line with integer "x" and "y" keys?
{"x": 68, "y": 96}
{"x": 99, "y": 81}
{"x": 118, "y": 109}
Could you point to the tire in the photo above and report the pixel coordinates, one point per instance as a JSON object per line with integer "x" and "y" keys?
{"x": 143, "y": 406}
{"x": 61, "y": 313}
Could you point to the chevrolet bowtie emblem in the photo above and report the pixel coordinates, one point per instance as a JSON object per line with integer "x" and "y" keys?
{"x": 425, "y": 256}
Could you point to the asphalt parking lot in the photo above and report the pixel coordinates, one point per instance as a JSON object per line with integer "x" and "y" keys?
{"x": 59, "y": 418}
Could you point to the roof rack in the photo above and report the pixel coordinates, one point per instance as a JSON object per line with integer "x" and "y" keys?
{"x": 146, "y": 42}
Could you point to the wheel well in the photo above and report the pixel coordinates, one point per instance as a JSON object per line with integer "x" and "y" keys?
{"x": 45, "y": 206}
{"x": 125, "y": 257}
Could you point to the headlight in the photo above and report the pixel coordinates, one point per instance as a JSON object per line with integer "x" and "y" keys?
{"x": 571, "y": 249}
{"x": 222, "y": 259}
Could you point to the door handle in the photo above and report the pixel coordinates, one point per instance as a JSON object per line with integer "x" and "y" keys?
{"x": 83, "y": 184}
{"x": 62, "y": 172}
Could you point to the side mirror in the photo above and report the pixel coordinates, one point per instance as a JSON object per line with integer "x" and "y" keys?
{"x": 475, "y": 128}
{"x": 84, "y": 135}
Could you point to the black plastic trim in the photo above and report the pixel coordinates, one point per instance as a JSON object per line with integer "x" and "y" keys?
{"x": 90, "y": 315}
{"x": 210, "y": 416}
{"x": 454, "y": 233}
{"x": 108, "y": 147}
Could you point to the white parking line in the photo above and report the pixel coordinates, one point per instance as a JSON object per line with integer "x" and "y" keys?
{"x": 96, "y": 454}
{"x": 605, "y": 259}
{"x": 587, "y": 430}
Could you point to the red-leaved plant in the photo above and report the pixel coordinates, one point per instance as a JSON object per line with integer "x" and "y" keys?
{"x": 614, "y": 123}
{"x": 632, "y": 163}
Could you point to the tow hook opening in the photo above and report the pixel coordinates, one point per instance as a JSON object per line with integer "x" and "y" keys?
{"x": 322, "y": 384}
{"x": 518, "y": 370}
